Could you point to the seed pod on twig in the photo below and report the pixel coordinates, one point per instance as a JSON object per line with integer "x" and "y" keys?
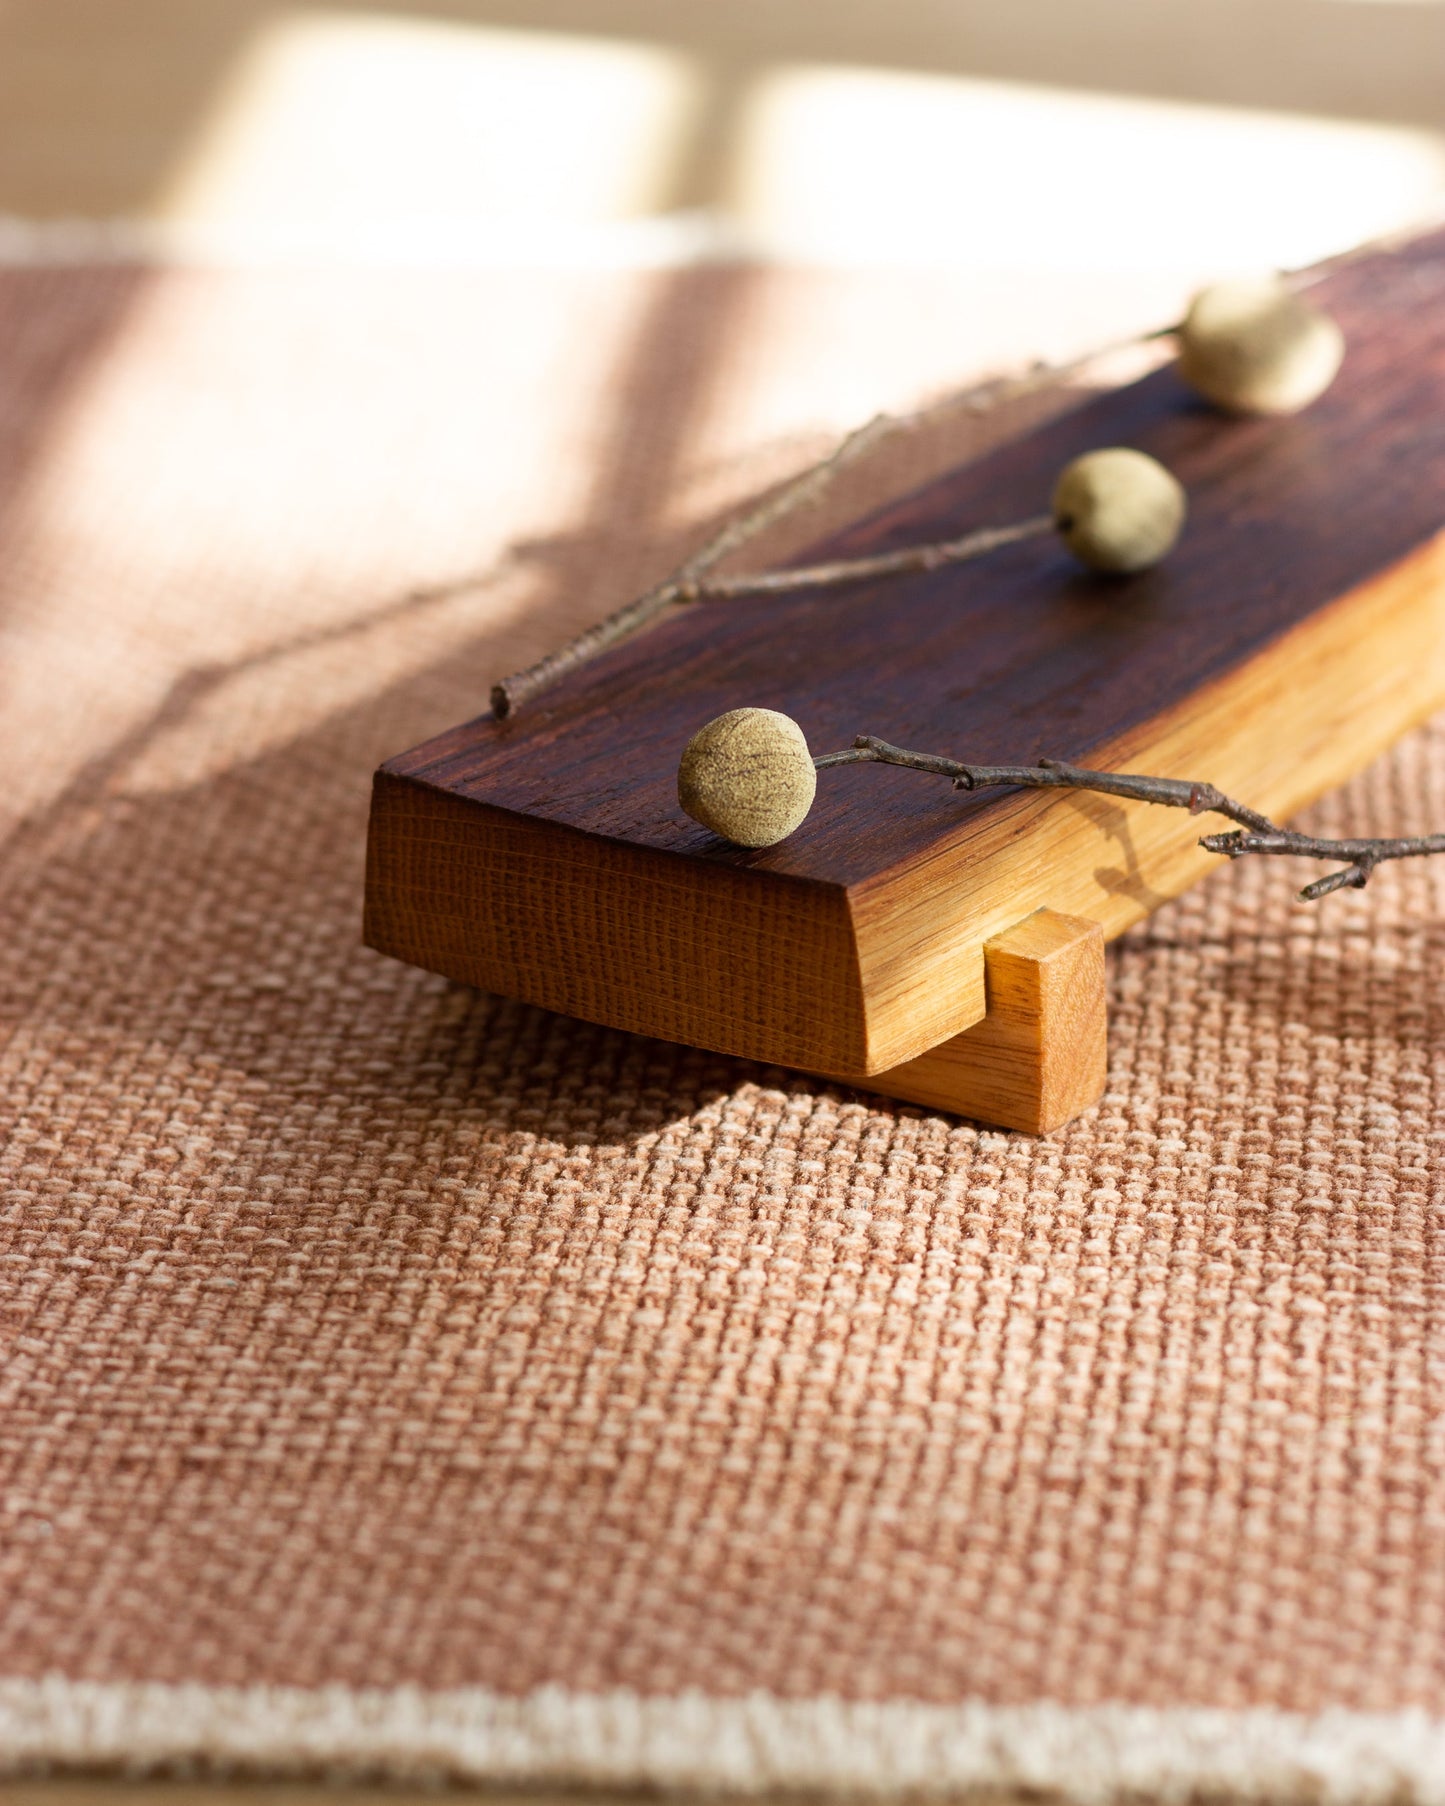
{"x": 1255, "y": 347}
{"x": 748, "y": 775}
{"x": 1118, "y": 510}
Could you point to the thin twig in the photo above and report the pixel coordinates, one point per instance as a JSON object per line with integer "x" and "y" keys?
{"x": 858, "y": 570}
{"x": 685, "y": 584}
{"x": 1363, "y": 855}
{"x": 1256, "y": 834}
{"x": 511, "y": 692}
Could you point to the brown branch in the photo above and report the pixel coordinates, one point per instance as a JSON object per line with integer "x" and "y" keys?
{"x": 512, "y": 691}
{"x": 686, "y": 584}
{"x": 1256, "y": 834}
{"x": 857, "y": 570}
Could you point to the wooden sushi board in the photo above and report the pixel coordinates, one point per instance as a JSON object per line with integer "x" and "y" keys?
{"x": 1297, "y": 629}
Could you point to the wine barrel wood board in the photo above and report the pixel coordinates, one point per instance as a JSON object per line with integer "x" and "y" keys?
{"x": 1295, "y": 631}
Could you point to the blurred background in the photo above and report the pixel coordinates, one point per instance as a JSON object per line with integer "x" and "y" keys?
{"x": 1084, "y": 142}
{"x": 1065, "y": 168}
{"x": 305, "y": 309}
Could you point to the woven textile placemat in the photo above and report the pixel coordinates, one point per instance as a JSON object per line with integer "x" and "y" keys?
{"x": 399, "y": 1380}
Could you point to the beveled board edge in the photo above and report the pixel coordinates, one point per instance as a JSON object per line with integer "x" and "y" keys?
{"x": 806, "y": 974}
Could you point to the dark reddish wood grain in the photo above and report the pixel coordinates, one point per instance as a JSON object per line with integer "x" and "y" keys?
{"x": 1021, "y": 654}
{"x": 1014, "y": 657}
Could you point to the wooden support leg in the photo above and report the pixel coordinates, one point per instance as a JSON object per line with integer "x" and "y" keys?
{"x": 1039, "y": 1056}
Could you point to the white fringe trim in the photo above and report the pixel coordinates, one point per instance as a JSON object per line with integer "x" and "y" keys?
{"x": 1088, "y": 1755}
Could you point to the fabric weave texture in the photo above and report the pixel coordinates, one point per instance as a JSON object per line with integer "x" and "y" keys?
{"x": 371, "y": 1339}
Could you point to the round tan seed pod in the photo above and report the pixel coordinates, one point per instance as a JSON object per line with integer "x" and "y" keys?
{"x": 1253, "y": 347}
{"x": 1118, "y": 510}
{"x": 748, "y": 775}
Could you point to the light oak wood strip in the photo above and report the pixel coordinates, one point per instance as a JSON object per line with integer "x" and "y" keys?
{"x": 614, "y": 934}
{"x": 1040, "y": 1054}
{"x": 1319, "y": 706}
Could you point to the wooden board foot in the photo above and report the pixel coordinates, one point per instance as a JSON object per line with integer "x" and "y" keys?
{"x": 1039, "y": 1056}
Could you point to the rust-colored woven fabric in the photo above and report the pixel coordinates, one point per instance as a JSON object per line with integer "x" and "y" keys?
{"x": 367, "y": 1334}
